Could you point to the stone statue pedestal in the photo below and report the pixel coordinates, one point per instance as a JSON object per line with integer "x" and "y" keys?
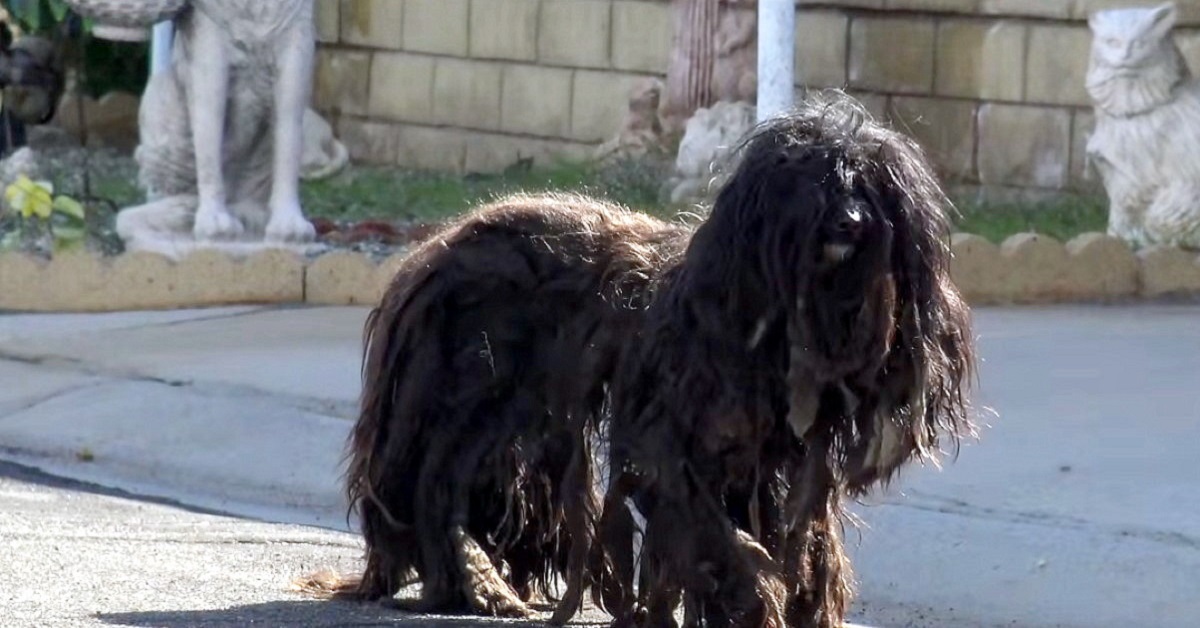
{"x": 165, "y": 226}
{"x": 179, "y": 248}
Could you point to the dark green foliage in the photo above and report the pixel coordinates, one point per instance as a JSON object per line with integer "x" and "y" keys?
{"x": 111, "y": 66}
{"x": 107, "y": 65}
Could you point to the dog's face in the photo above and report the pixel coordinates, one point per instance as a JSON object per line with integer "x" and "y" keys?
{"x": 838, "y": 218}
{"x": 844, "y": 230}
{"x": 818, "y": 223}
{"x": 852, "y": 236}
{"x": 835, "y": 228}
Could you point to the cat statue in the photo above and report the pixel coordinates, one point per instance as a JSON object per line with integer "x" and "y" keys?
{"x": 223, "y": 131}
{"x": 1146, "y": 144}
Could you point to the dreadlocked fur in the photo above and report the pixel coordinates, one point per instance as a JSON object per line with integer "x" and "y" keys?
{"x": 794, "y": 350}
{"x": 807, "y": 345}
{"x": 484, "y": 373}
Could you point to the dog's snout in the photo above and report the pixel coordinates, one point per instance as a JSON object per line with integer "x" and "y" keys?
{"x": 850, "y": 223}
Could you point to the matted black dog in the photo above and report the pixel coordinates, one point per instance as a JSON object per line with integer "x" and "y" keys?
{"x": 794, "y": 350}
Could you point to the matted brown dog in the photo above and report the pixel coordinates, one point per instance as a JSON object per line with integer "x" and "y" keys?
{"x": 795, "y": 349}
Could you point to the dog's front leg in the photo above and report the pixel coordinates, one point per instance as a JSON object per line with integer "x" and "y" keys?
{"x": 206, "y": 109}
{"x": 292, "y": 90}
{"x": 815, "y": 565}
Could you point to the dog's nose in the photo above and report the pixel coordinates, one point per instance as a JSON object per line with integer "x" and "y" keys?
{"x": 850, "y": 223}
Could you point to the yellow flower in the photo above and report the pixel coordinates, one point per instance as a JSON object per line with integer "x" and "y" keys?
{"x": 31, "y": 198}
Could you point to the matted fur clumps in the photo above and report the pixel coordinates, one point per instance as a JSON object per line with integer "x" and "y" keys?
{"x": 797, "y": 348}
{"x": 806, "y": 346}
{"x": 484, "y": 373}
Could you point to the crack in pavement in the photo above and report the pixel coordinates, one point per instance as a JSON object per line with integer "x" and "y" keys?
{"x": 30, "y": 403}
{"x": 203, "y": 319}
{"x": 135, "y": 325}
{"x": 955, "y": 506}
{"x": 77, "y": 366}
{"x": 317, "y": 405}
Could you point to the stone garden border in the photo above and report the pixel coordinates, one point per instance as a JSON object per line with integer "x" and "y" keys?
{"x": 1026, "y": 268}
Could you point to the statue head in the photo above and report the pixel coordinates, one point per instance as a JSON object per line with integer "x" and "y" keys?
{"x": 1134, "y": 63}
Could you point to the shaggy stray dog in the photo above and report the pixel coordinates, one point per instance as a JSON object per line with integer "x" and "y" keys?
{"x": 796, "y": 349}
{"x": 485, "y": 368}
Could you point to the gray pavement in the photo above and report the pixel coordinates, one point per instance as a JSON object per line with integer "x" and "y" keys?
{"x": 238, "y": 409}
{"x": 1077, "y": 507}
{"x": 81, "y": 555}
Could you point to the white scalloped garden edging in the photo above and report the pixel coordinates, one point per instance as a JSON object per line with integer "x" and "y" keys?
{"x": 1031, "y": 268}
{"x": 1025, "y": 269}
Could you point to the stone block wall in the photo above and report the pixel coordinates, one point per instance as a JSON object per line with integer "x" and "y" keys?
{"x": 992, "y": 88}
{"x": 476, "y": 85}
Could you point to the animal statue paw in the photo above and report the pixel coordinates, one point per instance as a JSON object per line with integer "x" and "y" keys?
{"x": 214, "y": 222}
{"x": 289, "y": 225}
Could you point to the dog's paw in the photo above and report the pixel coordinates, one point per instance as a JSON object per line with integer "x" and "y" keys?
{"x": 496, "y": 599}
{"x": 486, "y": 590}
{"x": 215, "y": 223}
{"x": 289, "y": 226}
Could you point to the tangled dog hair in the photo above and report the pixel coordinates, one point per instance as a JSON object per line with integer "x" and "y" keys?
{"x": 747, "y": 376}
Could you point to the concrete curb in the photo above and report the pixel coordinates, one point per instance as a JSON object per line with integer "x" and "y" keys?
{"x": 1027, "y": 268}
{"x": 82, "y": 282}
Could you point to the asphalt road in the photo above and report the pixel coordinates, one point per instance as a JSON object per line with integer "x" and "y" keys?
{"x": 1076, "y": 509}
{"x": 75, "y": 554}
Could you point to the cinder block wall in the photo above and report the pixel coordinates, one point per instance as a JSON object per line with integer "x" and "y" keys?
{"x": 994, "y": 89}
{"x": 476, "y": 84}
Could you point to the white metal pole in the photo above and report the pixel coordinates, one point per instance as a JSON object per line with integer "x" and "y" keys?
{"x": 160, "y": 46}
{"x": 776, "y": 57}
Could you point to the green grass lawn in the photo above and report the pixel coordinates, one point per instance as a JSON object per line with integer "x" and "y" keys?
{"x": 384, "y": 193}
{"x": 396, "y": 194}
{"x": 1062, "y": 218}
{"x": 381, "y": 193}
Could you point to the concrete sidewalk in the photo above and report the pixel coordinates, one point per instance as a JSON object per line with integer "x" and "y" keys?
{"x": 242, "y": 410}
{"x": 1077, "y": 508}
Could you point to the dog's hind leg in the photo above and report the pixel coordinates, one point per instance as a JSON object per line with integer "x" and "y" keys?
{"x": 579, "y": 507}
{"x": 612, "y": 556}
{"x": 457, "y": 573}
{"x": 390, "y": 551}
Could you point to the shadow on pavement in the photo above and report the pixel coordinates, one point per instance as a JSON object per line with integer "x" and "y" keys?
{"x": 31, "y": 475}
{"x": 318, "y": 614}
